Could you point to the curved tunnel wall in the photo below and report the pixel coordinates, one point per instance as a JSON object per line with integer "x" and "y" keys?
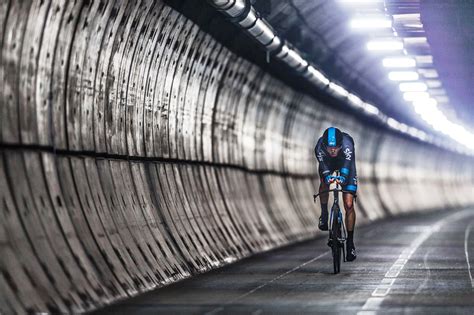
{"x": 136, "y": 151}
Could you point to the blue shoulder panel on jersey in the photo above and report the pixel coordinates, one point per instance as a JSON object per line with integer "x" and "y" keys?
{"x": 332, "y": 137}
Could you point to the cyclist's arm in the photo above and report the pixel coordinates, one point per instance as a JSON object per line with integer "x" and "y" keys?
{"x": 349, "y": 156}
{"x": 321, "y": 157}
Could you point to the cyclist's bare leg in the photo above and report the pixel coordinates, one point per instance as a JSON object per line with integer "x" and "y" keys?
{"x": 324, "y": 197}
{"x": 350, "y": 223}
{"x": 350, "y": 212}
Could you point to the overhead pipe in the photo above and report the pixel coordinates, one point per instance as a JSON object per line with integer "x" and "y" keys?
{"x": 243, "y": 14}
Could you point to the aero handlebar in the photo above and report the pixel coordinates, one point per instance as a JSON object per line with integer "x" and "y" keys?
{"x": 337, "y": 178}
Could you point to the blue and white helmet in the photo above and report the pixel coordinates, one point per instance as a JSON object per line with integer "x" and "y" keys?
{"x": 332, "y": 137}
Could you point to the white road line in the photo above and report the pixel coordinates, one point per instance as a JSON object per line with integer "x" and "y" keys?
{"x": 374, "y": 302}
{"x": 466, "y": 241}
{"x": 221, "y": 308}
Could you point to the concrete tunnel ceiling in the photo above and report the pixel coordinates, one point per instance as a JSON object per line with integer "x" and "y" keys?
{"x": 320, "y": 30}
{"x": 137, "y": 150}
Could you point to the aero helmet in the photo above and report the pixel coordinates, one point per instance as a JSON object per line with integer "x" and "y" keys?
{"x": 332, "y": 137}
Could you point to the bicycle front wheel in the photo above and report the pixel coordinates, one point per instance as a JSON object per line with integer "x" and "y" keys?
{"x": 336, "y": 246}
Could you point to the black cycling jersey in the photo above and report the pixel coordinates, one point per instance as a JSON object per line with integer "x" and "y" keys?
{"x": 344, "y": 162}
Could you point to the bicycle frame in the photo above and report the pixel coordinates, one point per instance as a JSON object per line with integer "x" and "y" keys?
{"x": 336, "y": 238}
{"x": 336, "y": 207}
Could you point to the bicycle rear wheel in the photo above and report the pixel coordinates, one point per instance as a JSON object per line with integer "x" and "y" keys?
{"x": 336, "y": 257}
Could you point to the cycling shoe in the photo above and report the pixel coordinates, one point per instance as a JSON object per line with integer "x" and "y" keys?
{"x": 351, "y": 252}
{"x": 323, "y": 224}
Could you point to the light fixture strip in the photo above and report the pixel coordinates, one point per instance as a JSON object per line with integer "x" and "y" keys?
{"x": 399, "y": 62}
{"x": 385, "y": 45}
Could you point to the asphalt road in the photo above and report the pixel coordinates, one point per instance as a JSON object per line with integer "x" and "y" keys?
{"x": 416, "y": 264}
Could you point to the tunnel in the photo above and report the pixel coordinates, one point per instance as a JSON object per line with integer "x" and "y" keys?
{"x": 146, "y": 144}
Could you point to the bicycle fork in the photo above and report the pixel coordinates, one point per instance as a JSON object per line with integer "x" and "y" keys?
{"x": 342, "y": 224}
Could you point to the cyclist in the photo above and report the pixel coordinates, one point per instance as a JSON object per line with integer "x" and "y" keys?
{"x": 335, "y": 151}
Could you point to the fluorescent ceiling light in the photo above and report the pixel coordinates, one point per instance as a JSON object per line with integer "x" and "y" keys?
{"x": 371, "y": 23}
{"x": 414, "y": 96}
{"x": 403, "y": 127}
{"x": 438, "y": 92}
{"x": 424, "y": 59}
{"x": 416, "y": 133}
{"x": 371, "y": 109}
{"x": 399, "y": 62}
{"x": 393, "y": 123}
{"x": 429, "y": 111}
{"x": 355, "y": 100}
{"x": 413, "y": 87}
{"x": 425, "y": 103}
{"x": 403, "y": 76}
{"x": 422, "y": 135}
{"x": 433, "y": 84}
{"x": 416, "y": 40}
{"x": 429, "y": 73}
{"x": 385, "y": 45}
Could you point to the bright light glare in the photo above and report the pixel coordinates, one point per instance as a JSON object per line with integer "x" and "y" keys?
{"x": 395, "y": 124}
{"x": 414, "y": 96}
{"x": 403, "y": 76}
{"x": 400, "y": 62}
{"x": 384, "y": 45}
{"x": 429, "y": 111}
{"x": 371, "y": 23}
{"x": 413, "y": 87}
{"x": 442, "y": 99}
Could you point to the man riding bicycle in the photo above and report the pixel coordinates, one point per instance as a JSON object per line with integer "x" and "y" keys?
{"x": 335, "y": 151}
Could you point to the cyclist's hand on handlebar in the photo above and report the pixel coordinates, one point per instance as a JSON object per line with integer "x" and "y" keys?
{"x": 331, "y": 179}
{"x": 341, "y": 179}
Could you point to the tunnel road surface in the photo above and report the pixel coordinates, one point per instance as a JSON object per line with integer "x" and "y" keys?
{"x": 416, "y": 264}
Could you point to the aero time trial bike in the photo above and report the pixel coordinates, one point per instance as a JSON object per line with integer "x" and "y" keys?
{"x": 337, "y": 228}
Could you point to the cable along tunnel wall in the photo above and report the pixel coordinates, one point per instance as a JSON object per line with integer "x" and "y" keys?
{"x": 137, "y": 151}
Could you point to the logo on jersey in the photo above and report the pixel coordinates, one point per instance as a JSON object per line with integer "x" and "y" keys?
{"x": 320, "y": 156}
{"x": 348, "y": 154}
